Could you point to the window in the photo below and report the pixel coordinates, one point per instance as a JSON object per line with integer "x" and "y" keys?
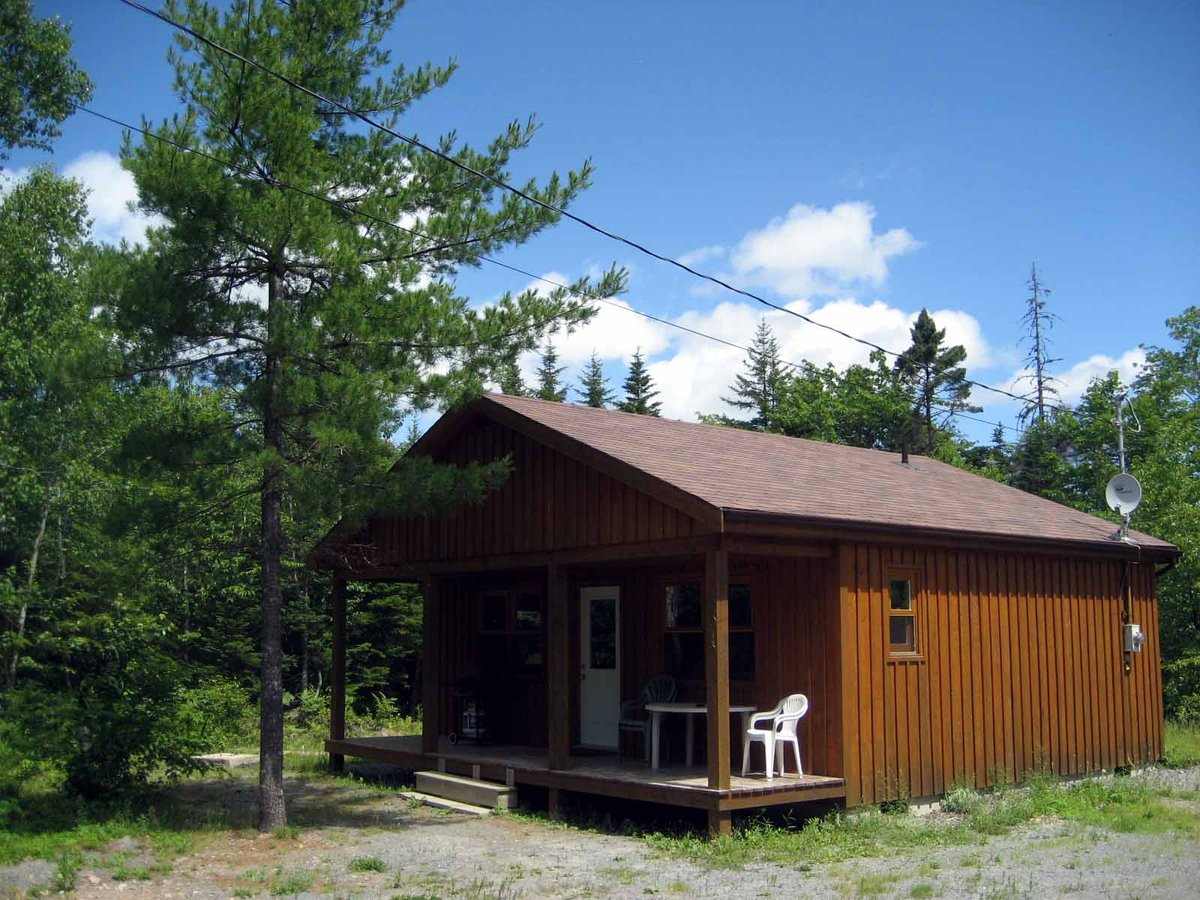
{"x": 684, "y": 652}
{"x": 510, "y": 629}
{"x": 902, "y": 613}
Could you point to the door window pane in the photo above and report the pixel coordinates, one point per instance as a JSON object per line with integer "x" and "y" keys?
{"x": 602, "y": 613}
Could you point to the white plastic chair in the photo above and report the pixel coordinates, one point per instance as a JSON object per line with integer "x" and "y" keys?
{"x": 783, "y": 720}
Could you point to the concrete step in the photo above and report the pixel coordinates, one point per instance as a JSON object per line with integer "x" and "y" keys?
{"x": 443, "y": 803}
{"x": 467, "y": 790}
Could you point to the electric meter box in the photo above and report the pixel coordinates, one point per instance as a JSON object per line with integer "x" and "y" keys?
{"x": 1134, "y": 638}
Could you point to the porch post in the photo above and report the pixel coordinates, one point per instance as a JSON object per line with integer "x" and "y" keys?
{"x": 431, "y": 604}
{"x": 337, "y": 691}
{"x": 558, "y": 674}
{"x": 716, "y": 665}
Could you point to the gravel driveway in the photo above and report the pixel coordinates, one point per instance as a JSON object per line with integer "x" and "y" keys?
{"x": 391, "y": 848}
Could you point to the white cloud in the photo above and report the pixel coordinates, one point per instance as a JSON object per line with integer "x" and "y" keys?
{"x": 1074, "y": 381}
{"x": 812, "y": 250}
{"x": 111, "y": 190}
{"x": 703, "y": 254}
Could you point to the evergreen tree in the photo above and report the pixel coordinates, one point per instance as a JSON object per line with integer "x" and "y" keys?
{"x": 757, "y": 390}
{"x": 593, "y": 386}
{"x": 936, "y": 378}
{"x": 39, "y": 82}
{"x": 320, "y": 325}
{"x": 1038, "y": 322}
{"x": 639, "y": 389}
{"x": 549, "y": 372}
{"x": 508, "y": 377}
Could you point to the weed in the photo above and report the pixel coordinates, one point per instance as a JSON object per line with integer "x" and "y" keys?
{"x": 924, "y": 889}
{"x": 293, "y": 883}
{"x": 679, "y": 887}
{"x": 367, "y": 864}
{"x": 286, "y": 833}
{"x": 66, "y": 871}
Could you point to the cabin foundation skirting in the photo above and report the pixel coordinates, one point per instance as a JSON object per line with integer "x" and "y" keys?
{"x": 595, "y": 776}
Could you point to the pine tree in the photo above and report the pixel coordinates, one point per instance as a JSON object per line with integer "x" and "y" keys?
{"x": 508, "y": 377}
{"x": 548, "y": 374}
{"x": 936, "y": 378}
{"x": 321, "y": 325}
{"x": 639, "y": 389}
{"x": 758, "y": 389}
{"x": 593, "y": 386}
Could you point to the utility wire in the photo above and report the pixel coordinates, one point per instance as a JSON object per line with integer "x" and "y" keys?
{"x": 529, "y": 198}
{"x": 387, "y": 222}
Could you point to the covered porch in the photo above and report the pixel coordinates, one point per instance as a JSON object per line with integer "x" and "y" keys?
{"x": 524, "y": 631}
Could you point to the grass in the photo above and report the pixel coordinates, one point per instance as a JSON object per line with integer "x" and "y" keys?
{"x": 367, "y": 864}
{"x": 1119, "y": 804}
{"x": 1183, "y": 745}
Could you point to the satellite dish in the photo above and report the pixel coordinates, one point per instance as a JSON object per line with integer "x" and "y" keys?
{"x": 1123, "y": 493}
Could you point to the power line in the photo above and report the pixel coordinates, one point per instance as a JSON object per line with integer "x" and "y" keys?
{"x": 354, "y": 211}
{"x": 500, "y": 183}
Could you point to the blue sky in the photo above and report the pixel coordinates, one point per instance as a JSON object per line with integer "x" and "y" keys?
{"x": 856, "y": 161}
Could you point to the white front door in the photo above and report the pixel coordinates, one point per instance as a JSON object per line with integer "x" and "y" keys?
{"x": 600, "y": 658}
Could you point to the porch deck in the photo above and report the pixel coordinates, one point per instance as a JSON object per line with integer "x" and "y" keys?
{"x": 607, "y": 776}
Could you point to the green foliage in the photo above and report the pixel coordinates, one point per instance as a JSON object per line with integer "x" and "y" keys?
{"x": 639, "y": 389}
{"x": 39, "y": 82}
{"x": 367, "y": 864}
{"x": 1181, "y": 690}
{"x": 549, "y": 375}
{"x": 936, "y": 377}
{"x": 593, "y": 386}
{"x": 757, "y": 389}
{"x": 1182, "y": 744}
{"x": 217, "y": 714}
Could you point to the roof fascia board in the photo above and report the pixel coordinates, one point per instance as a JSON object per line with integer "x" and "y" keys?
{"x": 771, "y": 524}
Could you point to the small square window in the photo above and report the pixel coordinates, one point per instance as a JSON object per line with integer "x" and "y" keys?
{"x": 901, "y": 593}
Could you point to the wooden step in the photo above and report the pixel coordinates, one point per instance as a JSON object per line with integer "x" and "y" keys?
{"x": 467, "y": 790}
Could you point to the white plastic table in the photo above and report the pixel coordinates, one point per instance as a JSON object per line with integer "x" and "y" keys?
{"x": 691, "y": 710}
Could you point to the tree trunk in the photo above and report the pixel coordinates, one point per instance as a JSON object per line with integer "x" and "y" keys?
{"x": 30, "y": 581}
{"x": 272, "y": 813}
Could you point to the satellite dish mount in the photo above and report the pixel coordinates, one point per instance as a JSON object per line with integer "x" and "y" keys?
{"x": 1123, "y": 493}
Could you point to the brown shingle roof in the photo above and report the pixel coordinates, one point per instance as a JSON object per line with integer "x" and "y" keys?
{"x": 746, "y": 471}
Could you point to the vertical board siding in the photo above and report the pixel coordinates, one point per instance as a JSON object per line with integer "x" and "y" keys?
{"x": 1020, "y": 668}
{"x": 550, "y": 502}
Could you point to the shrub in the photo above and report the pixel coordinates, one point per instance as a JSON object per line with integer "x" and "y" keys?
{"x": 217, "y": 714}
{"x": 1181, "y": 690}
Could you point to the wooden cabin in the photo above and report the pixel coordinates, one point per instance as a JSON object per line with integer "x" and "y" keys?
{"x": 945, "y": 628}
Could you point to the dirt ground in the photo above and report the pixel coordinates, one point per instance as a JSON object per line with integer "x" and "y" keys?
{"x": 358, "y": 841}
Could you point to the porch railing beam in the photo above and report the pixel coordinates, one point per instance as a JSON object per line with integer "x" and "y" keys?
{"x": 558, "y": 668}
{"x": 337, "y": 698}
{"x": 431, "y": 608}
{"x": 716, "y": 668}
